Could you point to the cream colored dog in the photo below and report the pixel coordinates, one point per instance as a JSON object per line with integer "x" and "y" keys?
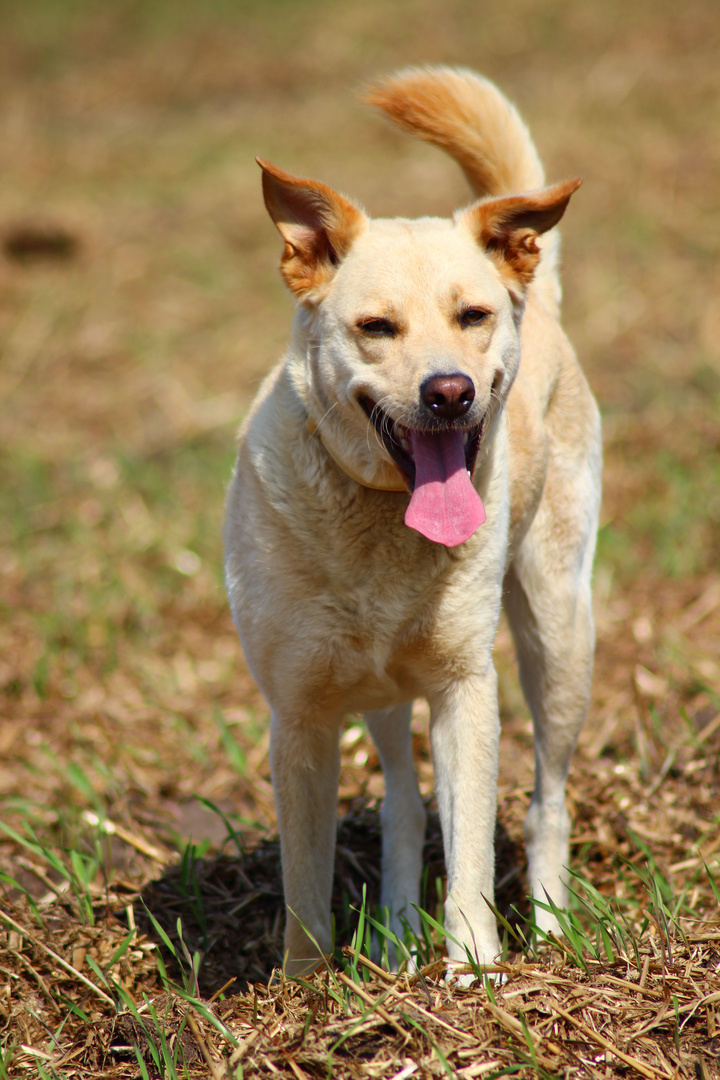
{"x": 400, "y": 474}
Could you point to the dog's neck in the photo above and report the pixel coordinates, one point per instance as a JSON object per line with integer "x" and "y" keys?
{"x": 313, "y": 429}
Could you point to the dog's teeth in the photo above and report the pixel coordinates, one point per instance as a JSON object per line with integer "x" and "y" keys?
{"x": 405, "y": 445}
{"x": 466, "y": 437}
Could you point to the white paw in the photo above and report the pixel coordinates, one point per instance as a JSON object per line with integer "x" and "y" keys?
{"x": 461, "y": 974}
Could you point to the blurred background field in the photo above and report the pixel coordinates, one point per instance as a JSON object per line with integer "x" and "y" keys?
{"x": 140, "y": 306}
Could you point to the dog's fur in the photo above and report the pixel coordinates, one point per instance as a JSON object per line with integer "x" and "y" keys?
{"x": 344, "y": 608}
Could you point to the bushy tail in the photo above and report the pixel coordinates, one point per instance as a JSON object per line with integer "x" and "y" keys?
{"x": 466, "y": 116}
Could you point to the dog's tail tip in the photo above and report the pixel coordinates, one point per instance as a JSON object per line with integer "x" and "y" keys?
{"x": 465, "y": 115}
{"x": 416, "y": 77}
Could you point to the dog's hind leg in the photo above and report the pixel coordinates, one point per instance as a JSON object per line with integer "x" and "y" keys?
{"x": 549, "y": 604}
{"x": 403, "y": 817}
{"x": 305, "y": 767}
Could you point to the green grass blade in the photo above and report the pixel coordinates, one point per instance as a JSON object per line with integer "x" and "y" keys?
{"x": 94, "y": 966}
{"x": 120, "y": 951}
{"x": 161, "y": 933}
{"x": 504, "y": 922}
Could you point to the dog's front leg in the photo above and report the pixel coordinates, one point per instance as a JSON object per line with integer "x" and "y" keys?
{"x": 305, "y": 766}
{"x": 551, "y": 618}
{"x": 465, "y": 731}
{"x": 403, "y": 819}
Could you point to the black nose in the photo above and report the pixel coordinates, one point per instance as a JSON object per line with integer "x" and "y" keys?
{"x": 448, "y": 396}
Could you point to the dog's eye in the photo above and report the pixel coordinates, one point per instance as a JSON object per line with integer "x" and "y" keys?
{"x": 473, "y": 316}
{"x": 377, "y": 327}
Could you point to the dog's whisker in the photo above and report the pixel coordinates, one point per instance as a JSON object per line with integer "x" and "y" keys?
{"x": 327, "y": 413}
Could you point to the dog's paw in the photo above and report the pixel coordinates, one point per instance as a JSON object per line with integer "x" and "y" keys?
{"x": 459, "y": 973}
{"x": 388, "y": 956}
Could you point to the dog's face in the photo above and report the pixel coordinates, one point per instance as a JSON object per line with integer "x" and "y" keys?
{"x": 408, "y": 335}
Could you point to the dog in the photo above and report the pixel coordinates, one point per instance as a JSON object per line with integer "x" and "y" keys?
{"x": 401, "y": 474}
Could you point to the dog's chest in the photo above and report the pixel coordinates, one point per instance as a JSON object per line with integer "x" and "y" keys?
{"x": 381, "y": 633}
{"x": 343, "y": 608}
{"x": 368, "y": 652}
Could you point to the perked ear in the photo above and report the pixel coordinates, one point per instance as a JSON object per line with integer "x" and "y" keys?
{"x": 507, "y": 227}
{"x": 317, "y": 225}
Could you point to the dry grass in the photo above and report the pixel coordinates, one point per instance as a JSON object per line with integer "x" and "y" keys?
{"x": 139, "y": 306}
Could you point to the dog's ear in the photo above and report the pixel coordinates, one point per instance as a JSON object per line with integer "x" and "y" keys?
{"x": 317, "y": 225}
{"x": 507, "y": 227}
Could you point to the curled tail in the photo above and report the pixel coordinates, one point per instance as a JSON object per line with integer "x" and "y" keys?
{"x": 466, "y": 115}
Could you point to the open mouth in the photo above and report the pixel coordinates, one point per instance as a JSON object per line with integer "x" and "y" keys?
{"x": 397, "y": 440}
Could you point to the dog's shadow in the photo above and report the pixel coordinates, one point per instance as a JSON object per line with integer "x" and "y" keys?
{"x": 231, "y": 907}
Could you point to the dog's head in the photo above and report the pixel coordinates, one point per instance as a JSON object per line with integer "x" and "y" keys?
{"x": 407, "y": 338}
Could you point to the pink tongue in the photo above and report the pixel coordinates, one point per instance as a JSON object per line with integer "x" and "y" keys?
{"x": 444, "y": 506}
